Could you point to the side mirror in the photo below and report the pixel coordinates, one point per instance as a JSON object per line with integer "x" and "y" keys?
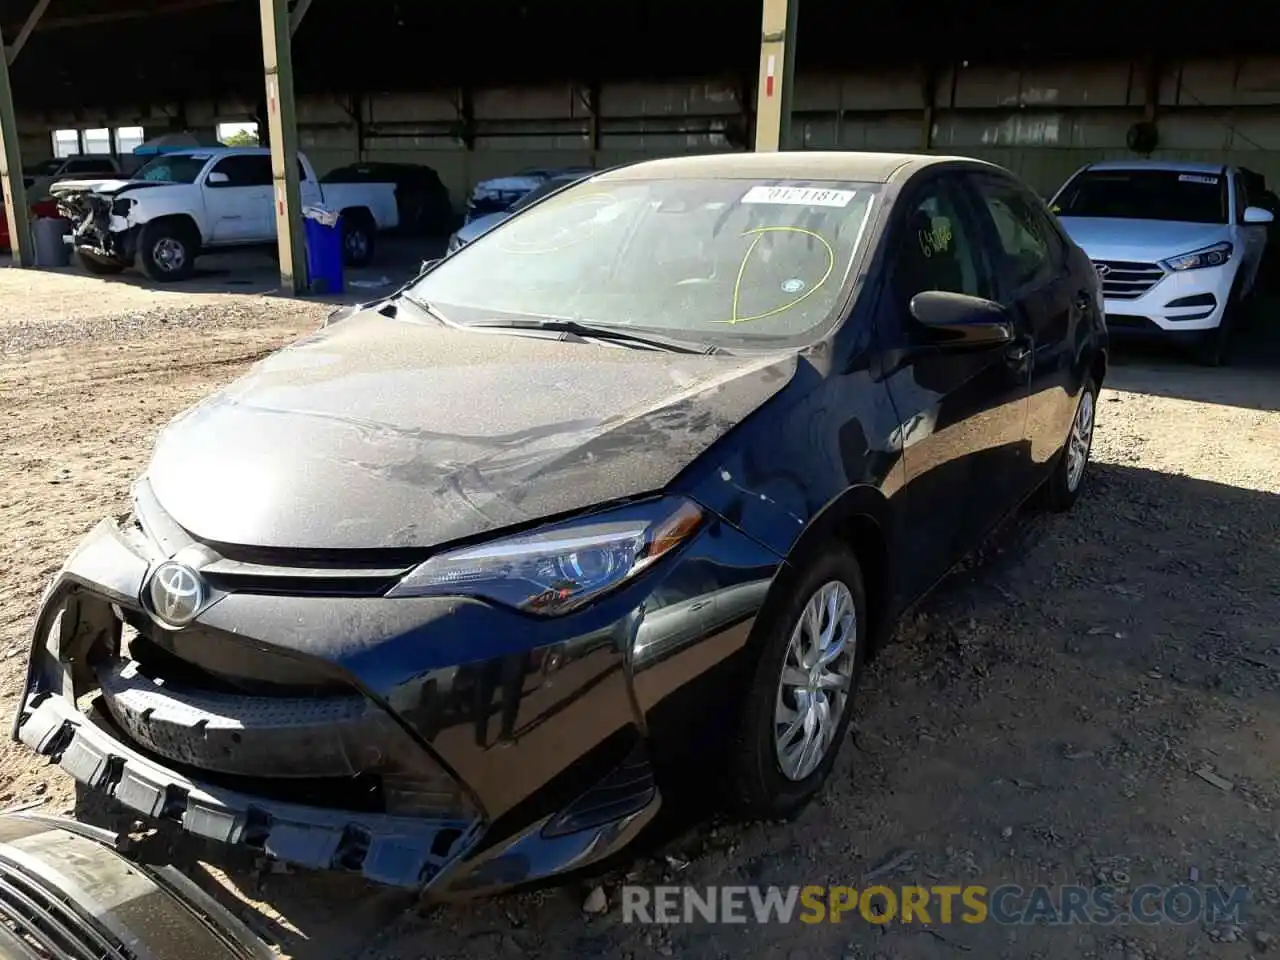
{"x": 957, "y": 319}
{"x": 1257, "y": 215}
{"x": 216, "y": 179}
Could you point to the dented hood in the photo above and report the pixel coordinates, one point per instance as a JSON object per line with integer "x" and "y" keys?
{"x": 380, "y": 432}
{"x": 64, "y": 188}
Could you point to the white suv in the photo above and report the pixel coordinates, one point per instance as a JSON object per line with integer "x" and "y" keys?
{"x": 1177, "y": 246}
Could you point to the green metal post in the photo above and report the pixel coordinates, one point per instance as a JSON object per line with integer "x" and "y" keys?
{"x": 15, "y": 193}
{"x": 777, "y": 72}
{"x": 788, "y": 74}
{"x": 282, "y": 126}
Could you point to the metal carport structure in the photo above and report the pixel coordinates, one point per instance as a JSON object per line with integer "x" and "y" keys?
{"x": 932, "y": 76}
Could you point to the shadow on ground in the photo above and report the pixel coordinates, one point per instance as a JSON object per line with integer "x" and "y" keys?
{"x": 1250, "y": 378}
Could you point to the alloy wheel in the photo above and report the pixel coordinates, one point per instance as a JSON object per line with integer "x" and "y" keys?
{"x": 357, "y": 245}
{"x": 169, "y": 254}
{"x": 817, "y": 677}
{"x": 1079, "y": 441}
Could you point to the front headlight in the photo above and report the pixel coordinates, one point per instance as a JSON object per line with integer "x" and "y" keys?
{"x": 558, "y": 568}
{"x": 122, "y": 207}
{"x": 1214, "y": 256}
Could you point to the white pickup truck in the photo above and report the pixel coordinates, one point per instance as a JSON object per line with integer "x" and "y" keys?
{"x": 206, "y": 198}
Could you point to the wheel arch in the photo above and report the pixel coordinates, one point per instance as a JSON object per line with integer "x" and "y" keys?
{"x": 184, "y": 221}
{"x": 860, "y": 519}
{"x": 359, "y": 213}
{"x": 1098, "y": 367}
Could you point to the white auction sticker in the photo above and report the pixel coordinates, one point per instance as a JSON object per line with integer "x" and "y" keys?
{"x": 799, "y": 196}
{"x": 1198, "y": 178}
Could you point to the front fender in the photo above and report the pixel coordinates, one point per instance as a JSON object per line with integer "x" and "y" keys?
{"x": 151, "y": 205}
{"x": 815, "y": 445}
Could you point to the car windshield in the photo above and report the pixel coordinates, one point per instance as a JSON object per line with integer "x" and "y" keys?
{"x": 45, "y": 168}
{"x": 700, "y": 259}
{"x": 173, "y": 168}
{"x": 537, "y": 193}
{"x": 1146, "y": 195}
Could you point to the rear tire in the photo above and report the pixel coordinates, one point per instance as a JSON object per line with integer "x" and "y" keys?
{"x": 359, "y": 238}
{"x": 167, "y": 250}
{"x": 97, "y": 266}
{"x": 778, "y": 696}
{"x": 1063, "y": 487}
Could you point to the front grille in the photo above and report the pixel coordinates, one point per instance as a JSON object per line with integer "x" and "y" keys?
{"x": 1127, "y": 280}
{"x": 46, "y": 925}
{"x": 203, "y": 658}
{"x": 338, "y": 751}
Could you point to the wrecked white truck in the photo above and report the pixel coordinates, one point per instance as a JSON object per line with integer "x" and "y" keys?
{"x": 208, "y": 198}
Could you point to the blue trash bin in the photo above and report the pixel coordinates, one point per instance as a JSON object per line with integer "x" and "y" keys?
{"x": 324, "y": 252}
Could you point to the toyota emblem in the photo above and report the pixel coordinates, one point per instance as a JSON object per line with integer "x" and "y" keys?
{"x": 177, "y": 594}
{"x": 1102, "y": 269}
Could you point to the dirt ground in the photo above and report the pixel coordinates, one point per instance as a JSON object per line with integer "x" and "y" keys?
{"x": 1050, "y": 716}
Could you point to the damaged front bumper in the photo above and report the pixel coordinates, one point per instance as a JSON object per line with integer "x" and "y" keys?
{"x": 100, "y": 226}
{"x": 392, "y": 850}
{"x": 347, "y": 733}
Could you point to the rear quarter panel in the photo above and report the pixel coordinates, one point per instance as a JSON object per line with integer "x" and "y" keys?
{"x": 378, "y": 198}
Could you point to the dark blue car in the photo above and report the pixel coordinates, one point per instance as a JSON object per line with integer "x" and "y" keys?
{"x": 449, "y": 593}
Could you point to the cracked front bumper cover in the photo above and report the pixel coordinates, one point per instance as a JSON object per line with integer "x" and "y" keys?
{"x": 244, "y": 727}
{"x": 398, "y": 851}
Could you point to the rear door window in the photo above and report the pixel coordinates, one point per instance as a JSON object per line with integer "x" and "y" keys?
{"x": 248, "y": 170}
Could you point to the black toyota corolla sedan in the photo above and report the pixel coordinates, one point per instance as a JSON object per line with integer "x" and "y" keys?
{"x": 445, "y": 593}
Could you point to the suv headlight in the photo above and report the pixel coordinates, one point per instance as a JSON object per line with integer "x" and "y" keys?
{"x": 1214, "y": 256}
{"x": 558, "y": 568}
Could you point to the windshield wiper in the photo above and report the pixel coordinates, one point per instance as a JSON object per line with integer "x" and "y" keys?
{"x": 589, "y": 330}
{"x": 420, "y": 305}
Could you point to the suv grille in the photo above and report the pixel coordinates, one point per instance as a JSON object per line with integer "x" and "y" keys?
{"x": 1125, "y": 280}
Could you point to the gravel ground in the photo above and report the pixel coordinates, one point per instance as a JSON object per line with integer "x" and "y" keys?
{"x": 1095, "y": 698}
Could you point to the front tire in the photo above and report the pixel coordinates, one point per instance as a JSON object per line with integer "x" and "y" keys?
{"x": 1212, "y": 349}
{"x": 1062, "y": 489}
{"x": 167, "y": 250}
{"x": 811, "y": 641}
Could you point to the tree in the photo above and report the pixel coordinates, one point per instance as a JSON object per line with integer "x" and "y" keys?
{"x": 241, "y": 138}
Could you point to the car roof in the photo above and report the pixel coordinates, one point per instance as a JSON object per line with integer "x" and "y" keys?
{"x": 1171, "y": 166}
{"x": 213, "y": 151}
{"x": 791, "y": 164}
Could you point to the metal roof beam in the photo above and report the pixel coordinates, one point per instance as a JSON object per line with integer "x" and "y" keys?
{"x": 112, "y": 16}
{"x": 300, "y": 9}
{"x": 20, "y": 41}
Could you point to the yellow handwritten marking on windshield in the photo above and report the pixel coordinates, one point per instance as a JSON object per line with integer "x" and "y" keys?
{"x": 577, "y": 234}
{"x": 746, "y": 258}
